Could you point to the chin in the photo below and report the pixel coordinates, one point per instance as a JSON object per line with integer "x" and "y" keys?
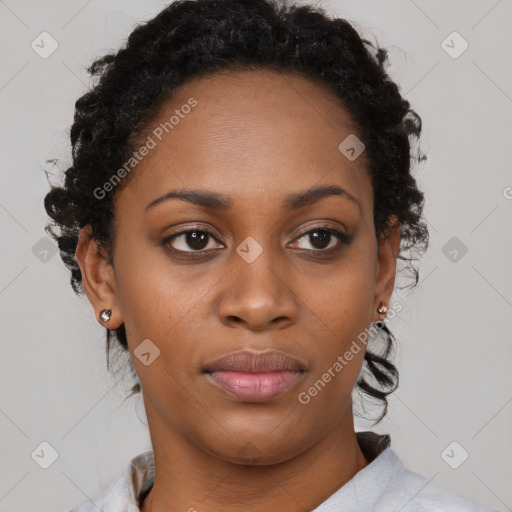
{"x": 255, "y": 453}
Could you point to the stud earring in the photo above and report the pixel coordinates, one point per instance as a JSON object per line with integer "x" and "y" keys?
{"x": 105, "y": 314}
{"x": 382, "y": 309}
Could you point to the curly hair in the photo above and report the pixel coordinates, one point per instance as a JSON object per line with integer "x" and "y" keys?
{"x": 191, "y": 38}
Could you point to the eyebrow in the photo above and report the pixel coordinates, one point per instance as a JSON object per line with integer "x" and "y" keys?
{"x": 219, "y": 201}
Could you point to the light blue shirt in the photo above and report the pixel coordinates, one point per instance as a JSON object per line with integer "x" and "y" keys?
{"x": 385, "y": 485}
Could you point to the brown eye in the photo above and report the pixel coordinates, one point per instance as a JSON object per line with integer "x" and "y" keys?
{"x": 323, "y": 239}
{"x": 320, "y": 239}
{"x": 190, "y": 241}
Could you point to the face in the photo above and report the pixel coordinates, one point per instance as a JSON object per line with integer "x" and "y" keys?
{"x": 252, "y": 266}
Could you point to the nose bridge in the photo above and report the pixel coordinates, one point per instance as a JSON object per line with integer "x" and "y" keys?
{"x": 256, "y": 262}
{"x": 257, "y": 292}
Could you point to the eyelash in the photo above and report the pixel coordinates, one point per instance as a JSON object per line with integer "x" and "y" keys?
{"x": 343, "y": 239}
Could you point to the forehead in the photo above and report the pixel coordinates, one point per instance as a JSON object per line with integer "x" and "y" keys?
{"x": 251, "y": 133}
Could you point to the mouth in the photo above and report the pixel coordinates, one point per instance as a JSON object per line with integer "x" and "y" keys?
{"x": 255, "y": 376}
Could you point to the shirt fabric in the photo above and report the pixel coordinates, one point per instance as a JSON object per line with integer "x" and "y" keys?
{"x": 385, "y": 485}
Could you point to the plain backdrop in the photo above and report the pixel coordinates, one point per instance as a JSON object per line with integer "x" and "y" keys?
{"x": 454, "y": 343}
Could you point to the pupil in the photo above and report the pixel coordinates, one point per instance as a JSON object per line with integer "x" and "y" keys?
{"x": 324, "y": 235}
{"x": 195, "y": 239}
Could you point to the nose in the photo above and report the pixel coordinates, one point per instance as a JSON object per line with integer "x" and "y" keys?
{"x": 257, "y": 294}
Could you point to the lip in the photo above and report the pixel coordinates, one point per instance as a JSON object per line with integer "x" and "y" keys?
{"x": 255, "y": 376}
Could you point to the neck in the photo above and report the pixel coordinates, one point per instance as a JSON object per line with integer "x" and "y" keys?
{"x": 189, "y": 478}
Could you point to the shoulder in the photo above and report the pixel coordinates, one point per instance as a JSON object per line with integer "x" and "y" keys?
{"x": 123, "y": 492}
{"x": 414, "y": 492}
{"x": 386, "y": 485}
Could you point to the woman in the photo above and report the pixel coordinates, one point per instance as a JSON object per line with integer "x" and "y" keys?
{"x": 239, "y": 195}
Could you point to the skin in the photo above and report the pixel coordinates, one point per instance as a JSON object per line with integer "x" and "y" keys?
{"x": 255, "y": 136}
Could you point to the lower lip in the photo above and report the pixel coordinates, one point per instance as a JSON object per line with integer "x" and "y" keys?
{"x": 255, "y": 387}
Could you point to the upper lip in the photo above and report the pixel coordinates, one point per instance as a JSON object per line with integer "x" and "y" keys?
{"x": 255, "y": 362}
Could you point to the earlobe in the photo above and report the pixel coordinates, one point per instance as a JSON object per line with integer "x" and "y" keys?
{"x": 98, "y": 279}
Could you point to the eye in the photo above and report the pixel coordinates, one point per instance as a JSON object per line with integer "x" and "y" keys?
{"x": 323, "y": 239}
{"x": 195, "y": 239}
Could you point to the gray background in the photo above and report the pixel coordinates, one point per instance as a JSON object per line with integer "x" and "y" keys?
{"x": 454, "y": 349}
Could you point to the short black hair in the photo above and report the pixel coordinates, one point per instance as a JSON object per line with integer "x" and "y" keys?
{"x": 191, "y": 38}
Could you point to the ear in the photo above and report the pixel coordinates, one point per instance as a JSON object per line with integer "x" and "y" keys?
{"x": 98, "y": 278}
{"x": 388, "y": 248}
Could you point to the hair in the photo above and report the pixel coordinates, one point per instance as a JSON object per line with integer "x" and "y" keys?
{"x": 192, "y": 38}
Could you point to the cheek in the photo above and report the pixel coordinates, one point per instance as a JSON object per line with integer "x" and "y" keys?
{"x": 152, "y": 294}
{"x": 338, "y": 355}
{"x": 159, "y": 304}
{"x": 164, "y": 303}
{"x": 339, "y": 302}
{"x": 338, "y": 317}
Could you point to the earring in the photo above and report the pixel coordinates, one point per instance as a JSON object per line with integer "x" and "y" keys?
{"x": 382, "y": 309}
{"x": 105, "y": 314}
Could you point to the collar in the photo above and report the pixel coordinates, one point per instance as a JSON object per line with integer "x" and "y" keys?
{"x": 128, "y": 490}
